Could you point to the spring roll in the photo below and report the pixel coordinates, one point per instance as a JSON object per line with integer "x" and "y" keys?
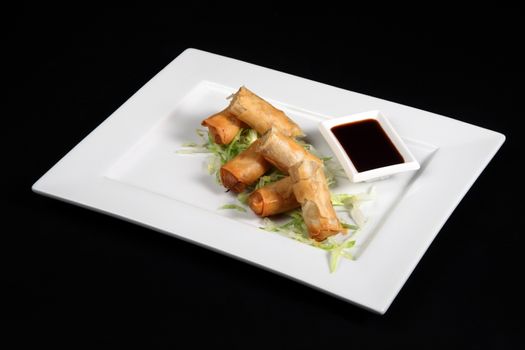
{"x": 261, "y": 115}
{"x": 274, "y": 198}
{"x": 311, "y": 191}
{"x": 223, "y": 126}
{"x": 282, "y": 151}
{"x": 244, "y": 169}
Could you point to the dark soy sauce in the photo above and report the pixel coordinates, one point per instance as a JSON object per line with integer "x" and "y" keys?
{"x": 367, "y": 144}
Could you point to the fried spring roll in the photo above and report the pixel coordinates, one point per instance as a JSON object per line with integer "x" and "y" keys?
{"x": 311, "y": 191}
{"x": 274, "y": 198}
{"x": 244, "y": 169}
{"x": 261, "y": 115}
{"x": 282, "y": 151}
{"x": 223, "y": 126}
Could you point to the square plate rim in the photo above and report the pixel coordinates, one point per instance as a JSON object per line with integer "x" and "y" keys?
{"x": 193, "y": 67}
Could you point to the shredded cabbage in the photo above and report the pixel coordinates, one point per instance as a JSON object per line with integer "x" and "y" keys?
{"x": 219, "y": 154}
{"x": 295, "y": 228}
{"x": 233, "y": 206}
{"x": 352, "y": 203}
{"x": 337, "y": 246}
{"x": 273, "y": 176}
{"x": 243, "y": 197}
{"x": 339, "y": 252}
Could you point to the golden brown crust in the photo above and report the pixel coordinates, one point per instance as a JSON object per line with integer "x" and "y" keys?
{"x": 311, "y": 190}
{"x": 274, "y": 198}
{"x": 230, "y": 181}
{"x": 256, "y": 203}
{"x": 244, "y": 169}
{"x": 223, "y": 126}
{"x": 282, "y": 151}
{"x": 261, "y": 115}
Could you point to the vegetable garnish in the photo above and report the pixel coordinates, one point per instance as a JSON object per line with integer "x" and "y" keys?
{"x": 234, "y": 206}
{"x": 272, "y": 177}
{"x": 295, "y": 228}
{"x": 352, "y": 203}
{"x": 220, "y": 154}
{"x": 338, "y": 246}
{"x": 256, "y": 152}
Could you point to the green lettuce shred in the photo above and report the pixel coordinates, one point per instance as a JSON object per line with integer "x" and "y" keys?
{"x": 352, "y": 203}
{"x": 339, "y": 252}
{"x": 233, "y": 206}
{"x": 273, "y": 176}
{"x": 337, "y": 246}
{"x": 243, "y": 197}
{"x": 219, "y": 154}
{"x": 295, "y": 228}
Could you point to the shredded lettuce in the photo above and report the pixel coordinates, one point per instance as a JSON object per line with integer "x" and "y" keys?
{"x": 307, "y": 146}
{"x": 349, "y": 226}
{"x": 295, "y": 228}
{"x": 332, "y": 171}
{"x": 352, "y": 203}
{"x": 233, "y": 206}
{"x": 243, "y": 197}
{"x": 219, "y": 154}
{"x": 274, "y": 176}
{"x": 339, "y": 252}
{"x": 337, "y": 246}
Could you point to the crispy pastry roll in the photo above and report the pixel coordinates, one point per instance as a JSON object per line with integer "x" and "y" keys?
{"x": 274, "y": 198}
{"x": 244, "y": 169}
{"x": 282, "y": 151}
{"x": 311, "y": 190}
{"x": 261, "y": 115}
{"x": 223, "y": 126}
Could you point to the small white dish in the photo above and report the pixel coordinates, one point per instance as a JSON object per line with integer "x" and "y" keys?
{"x": 407, "y": 163}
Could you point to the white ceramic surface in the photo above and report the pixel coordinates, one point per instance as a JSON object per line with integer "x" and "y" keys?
{"x": 410, "y": 162}
{"x": 128, "y": 167}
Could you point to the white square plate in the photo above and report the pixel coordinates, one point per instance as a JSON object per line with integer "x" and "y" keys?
{"x": 128, "y": 167}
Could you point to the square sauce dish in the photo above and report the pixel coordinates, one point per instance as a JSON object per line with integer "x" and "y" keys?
{"x": 367, "y": 146}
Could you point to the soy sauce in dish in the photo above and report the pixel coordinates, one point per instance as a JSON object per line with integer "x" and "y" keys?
{"x": 367, "y": 144}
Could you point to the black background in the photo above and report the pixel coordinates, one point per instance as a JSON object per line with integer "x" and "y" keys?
{"x": 74, "y": 277}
